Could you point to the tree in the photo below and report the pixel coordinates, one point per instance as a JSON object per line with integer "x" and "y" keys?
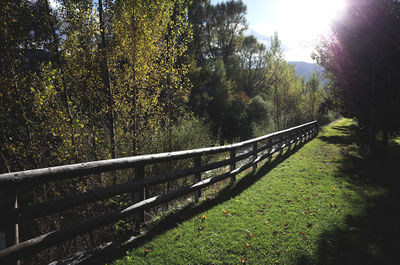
{"x": 198, "y": 17}
{"x": 78, "y": 81}
{"x": 362, "y": 56}
{"x": 313, "y": 94}
{"x": 225, "y": 24}
{"x": 253, "y": 62}
{"x": 285, "y": 88}
{"x": 103, "y": 50}
{"x": 219, "y": 89}
{"x": 149, "y": 39}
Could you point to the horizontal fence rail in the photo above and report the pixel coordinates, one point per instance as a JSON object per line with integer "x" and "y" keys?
{"x": 256, "y": 150}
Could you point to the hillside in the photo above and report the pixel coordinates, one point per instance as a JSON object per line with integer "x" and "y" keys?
{"x": 303, "y": 68}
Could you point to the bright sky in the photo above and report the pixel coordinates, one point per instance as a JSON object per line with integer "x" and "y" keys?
{"x": 298, "y": 23}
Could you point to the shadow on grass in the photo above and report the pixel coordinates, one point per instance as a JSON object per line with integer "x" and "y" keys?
{"x": 349, "y": 137}
{"x": 118, "y": 249}
{"x": 373, "y": 237}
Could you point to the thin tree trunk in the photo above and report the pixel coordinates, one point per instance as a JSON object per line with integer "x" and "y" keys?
{"x": 371, "y": 123}
{"x": 135, "y": 110}
{"x": 25, "y": 116}
{"x": 5, "y": 161}
{"x": 108, "y": 89}
{"x": 385, "y": 140}
{"x": 58, "y": 61}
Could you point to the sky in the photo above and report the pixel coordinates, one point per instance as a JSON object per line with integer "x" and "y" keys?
{"x": 299, "y": 23}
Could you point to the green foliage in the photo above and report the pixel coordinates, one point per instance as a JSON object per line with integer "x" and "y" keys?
{"x": 227, "y": 80}
{"x": 314, "y": 94}
{"x": 188, "y": 133}
{"x": 253, "y": 65}
{"x": 65, "y": 71}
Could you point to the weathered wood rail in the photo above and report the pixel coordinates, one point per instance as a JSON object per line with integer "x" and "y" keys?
{"x": 257, "y": 150}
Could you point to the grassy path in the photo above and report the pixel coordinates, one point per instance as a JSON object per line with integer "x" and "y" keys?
{"x": 312, "y": 208}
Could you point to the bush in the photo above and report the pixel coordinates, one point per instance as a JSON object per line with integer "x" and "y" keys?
{"x": 326, "y": 118}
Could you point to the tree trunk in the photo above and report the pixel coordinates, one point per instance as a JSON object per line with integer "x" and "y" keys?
{"x": 135, "y": 104}
{"x": 58, "y": 61}
{"x": 385, "y": 140}
{"x": 371, "y": 121}
{"x": 107, "y": 83}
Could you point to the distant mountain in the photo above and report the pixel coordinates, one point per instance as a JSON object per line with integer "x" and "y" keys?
{"x": 303, "y": 68}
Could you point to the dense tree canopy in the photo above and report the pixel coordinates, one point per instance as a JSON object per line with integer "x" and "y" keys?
{"x": 362, "y": 57}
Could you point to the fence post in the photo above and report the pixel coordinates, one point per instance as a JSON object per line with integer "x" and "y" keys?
{"x": 255, "y": 156}
{"x": 8, "y": 232}
{"x": 289, "y": 139}
{"x": 232, "y": 166}
{"x": 197, "y": 177}
{"x": 295, "y": 135}
{"x": 300, "y": 136}
{"x": 269, "y": 149}
{"x": 139, "y": 196}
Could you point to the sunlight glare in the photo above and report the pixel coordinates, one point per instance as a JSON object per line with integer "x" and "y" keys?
{"x": 307, "y": 19}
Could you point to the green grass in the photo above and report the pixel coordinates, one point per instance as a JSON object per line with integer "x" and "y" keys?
{"x": 317, "y": 206}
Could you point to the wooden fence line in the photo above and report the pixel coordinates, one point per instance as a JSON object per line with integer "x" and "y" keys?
{"x": 13, "y": 181}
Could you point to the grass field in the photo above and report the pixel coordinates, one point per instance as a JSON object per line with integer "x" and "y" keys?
{"x": 323, "y": 204}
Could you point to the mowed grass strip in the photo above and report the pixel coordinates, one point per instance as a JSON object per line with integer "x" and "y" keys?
{"x": 278, "y": 219}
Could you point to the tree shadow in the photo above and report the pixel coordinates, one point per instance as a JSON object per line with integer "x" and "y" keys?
{"x": 109, "y": 252}
{"x": 374, "y": 236}
{"x": 350, "y": 135}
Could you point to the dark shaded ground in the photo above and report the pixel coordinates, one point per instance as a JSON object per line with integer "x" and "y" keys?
{"x": 373, "y": 238}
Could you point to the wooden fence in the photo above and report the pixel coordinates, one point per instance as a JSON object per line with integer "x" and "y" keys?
{"x": 256, "y": 150}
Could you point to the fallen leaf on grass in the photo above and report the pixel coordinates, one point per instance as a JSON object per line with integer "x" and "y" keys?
{"x": 248, "y": 233}
{"x": 309, "y": 224}
{"x": 247, "y": 245}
